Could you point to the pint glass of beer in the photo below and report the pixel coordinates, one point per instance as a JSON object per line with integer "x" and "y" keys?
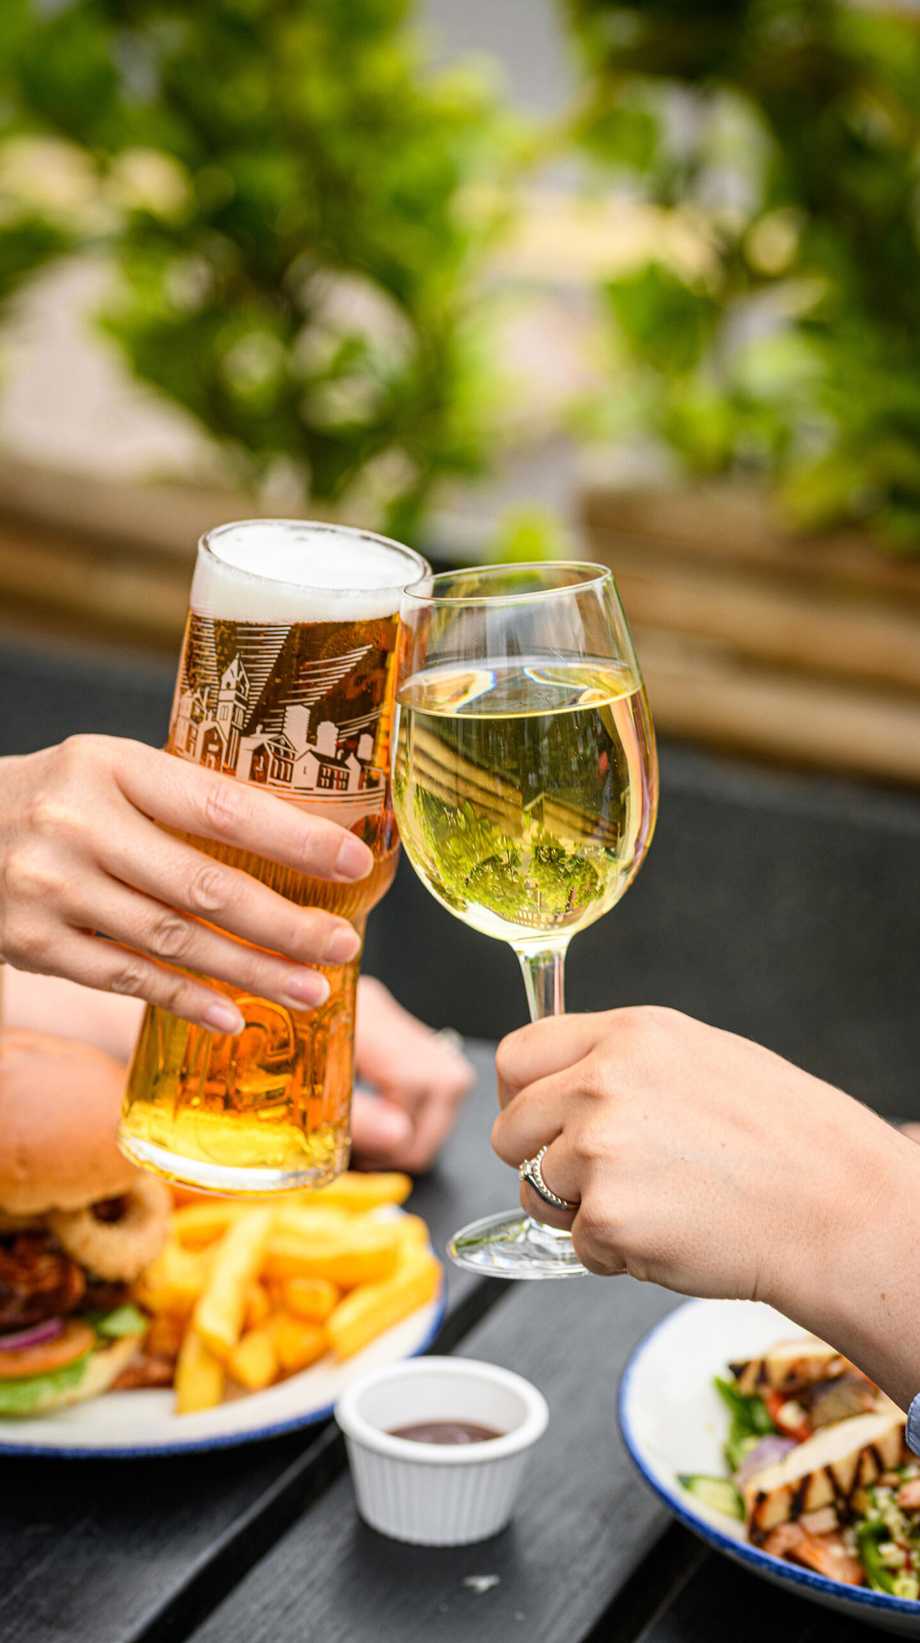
{"x": 287, "y": 678}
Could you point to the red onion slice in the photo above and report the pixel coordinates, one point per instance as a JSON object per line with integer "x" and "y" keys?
{"x": 766, "y": 1453}
{"x": 36, "y": 1336}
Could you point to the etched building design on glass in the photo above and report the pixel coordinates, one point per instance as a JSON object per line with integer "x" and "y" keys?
{"x": 209, "y": 722}
{"x": 305, "y": 754}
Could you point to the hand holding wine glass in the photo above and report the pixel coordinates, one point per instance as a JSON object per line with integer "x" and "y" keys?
{"x": 525, "y": 785}
{"x": 706, "y": 1163}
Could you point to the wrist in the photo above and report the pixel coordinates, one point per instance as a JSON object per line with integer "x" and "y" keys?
{"x": 854, "y": 1279}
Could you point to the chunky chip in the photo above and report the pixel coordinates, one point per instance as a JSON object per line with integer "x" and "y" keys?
{"x": 245, "y": 1294}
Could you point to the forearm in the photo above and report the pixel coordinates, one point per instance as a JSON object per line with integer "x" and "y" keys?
{"x": 862, "y": 1291}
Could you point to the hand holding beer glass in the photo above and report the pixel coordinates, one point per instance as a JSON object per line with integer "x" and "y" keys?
{"x": 526, "y": 787}
{"x": 287, "y": 682}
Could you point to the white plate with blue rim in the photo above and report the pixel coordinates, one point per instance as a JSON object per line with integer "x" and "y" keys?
{"x": 673, "y": 1422}
{"x": 131, "y": 1425}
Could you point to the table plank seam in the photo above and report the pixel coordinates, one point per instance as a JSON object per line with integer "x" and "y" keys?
{"x": 231, "y": 1559}
{"x": 654, "y": 1586}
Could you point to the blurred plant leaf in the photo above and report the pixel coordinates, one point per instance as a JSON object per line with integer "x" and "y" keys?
{"x": 529, "y": 534}
{"x": 289, "y": 187}
{"x": 791, "y": 130}
{"x": 27, "y": 244}
{"x": 663, "y": 322}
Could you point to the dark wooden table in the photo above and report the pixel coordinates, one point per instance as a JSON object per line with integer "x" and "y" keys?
{"x": 262, "y": 1544}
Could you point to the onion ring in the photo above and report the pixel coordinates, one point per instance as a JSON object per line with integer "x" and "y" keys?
{"x": 122, "y": 1248}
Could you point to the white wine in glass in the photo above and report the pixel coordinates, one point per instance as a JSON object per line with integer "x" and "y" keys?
{"x": 525, "y": 786}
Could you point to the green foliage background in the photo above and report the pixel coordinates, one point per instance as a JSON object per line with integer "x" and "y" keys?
{"x": 790, "y": 130}
{"x": 301, "y": 211}
{"x": 296, "y": 269}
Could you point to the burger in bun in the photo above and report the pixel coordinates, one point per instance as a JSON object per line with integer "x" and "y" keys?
{"x": 77, "y": 1225}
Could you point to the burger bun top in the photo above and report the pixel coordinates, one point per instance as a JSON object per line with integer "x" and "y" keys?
{"x": 60, "y": 1102}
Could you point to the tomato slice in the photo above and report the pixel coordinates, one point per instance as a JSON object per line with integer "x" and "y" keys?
{"x": 775, "y": 1402}
{"x": 74, "y": 1340}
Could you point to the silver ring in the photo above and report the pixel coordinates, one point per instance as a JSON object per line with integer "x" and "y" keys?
{"x": 531, "y": 1171}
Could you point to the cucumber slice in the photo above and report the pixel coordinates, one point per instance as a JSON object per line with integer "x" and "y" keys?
{"x": 736, "y": 1448}
{"x": 719, "y": 1493}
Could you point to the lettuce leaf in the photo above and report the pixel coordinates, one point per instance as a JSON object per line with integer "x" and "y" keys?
{"x": 750, "y": 1422}
{"x": 748, "y": 1411}
{"x": 23, "y": 1396}
{"x": 125, "y": 1320}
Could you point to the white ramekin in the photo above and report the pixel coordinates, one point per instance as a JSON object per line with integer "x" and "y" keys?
{"x": 434, "y": 1494}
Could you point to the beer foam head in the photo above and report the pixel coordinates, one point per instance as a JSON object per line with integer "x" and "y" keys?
{"x": 288, "y": 570}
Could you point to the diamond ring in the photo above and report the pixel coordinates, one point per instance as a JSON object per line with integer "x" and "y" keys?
{"x": 531, "y": 1171}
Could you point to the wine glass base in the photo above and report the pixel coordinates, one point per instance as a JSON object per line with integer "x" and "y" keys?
{"x": 511, "y": 1245}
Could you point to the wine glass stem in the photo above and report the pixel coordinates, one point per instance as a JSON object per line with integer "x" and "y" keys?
{"x": 544, "y": 979}
{"x": 544, "y": 982}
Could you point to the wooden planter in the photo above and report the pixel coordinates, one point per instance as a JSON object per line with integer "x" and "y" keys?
{"x": 99, "y": 558}
{"x": 803, "y": 649}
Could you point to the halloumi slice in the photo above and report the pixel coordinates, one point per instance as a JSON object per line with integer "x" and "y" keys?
{"x": 826, "y": 1470}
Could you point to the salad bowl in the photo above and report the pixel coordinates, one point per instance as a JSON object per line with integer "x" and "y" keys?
{"x": 673, "y": 1424}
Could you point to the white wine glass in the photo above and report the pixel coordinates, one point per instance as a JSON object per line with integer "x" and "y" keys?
{"x": 525, "y": 784}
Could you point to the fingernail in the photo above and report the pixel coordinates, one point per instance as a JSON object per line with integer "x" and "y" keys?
{"x": 343, "y": 944}
{"x": 309, "y": 987}
{"x": 223, "y": 1018}
{"x": 354, "y": 860}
